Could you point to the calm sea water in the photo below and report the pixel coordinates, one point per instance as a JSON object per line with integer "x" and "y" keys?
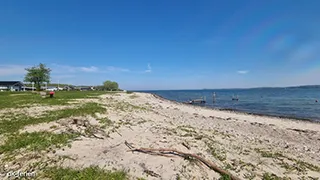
{"x": 286, "y": 102}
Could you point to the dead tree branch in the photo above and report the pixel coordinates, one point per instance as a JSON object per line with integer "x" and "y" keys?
{"x": 166, "y": 152}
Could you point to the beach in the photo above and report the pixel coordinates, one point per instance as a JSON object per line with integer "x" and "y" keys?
{"x": 246, "y": 146}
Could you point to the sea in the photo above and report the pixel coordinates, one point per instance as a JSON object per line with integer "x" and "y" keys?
{"x": 292, "y": 102}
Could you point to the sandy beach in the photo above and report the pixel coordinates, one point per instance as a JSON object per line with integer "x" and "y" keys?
{"x": 247, "y": 146}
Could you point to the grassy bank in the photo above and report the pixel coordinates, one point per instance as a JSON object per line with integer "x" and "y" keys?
{"x": 15, "y": 142}
{"x": 25, "y": 99}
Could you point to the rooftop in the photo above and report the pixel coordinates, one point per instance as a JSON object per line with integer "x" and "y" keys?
{"x": 10, "y": 83}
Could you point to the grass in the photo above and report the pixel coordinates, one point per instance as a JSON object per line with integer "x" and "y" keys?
{"x": 225, "y": 177}
{"x": 303, "y": 164}
{"x": 16, "y": 99}
{"x": 93, "y": 172}
{"x": 221, "y": 155}
{"x": 16, "y": 123}
{"x": 268, "y": 154}
{"x": 268, "y": 176}
{"x": 188, "y": 129}
{"x": 133, "y": 96}
{"x": 105, "y": 122}
{"x": 124, "y": 106}
{"x": 215, "y": 152}
{"x": 249, "y": 176}
{"x": 35, "y": 141}
{"x": 299, "y": 166}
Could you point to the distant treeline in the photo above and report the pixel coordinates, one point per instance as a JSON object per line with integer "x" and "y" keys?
{"x": 290, "y": 87}
{"x": 305, "y": 87}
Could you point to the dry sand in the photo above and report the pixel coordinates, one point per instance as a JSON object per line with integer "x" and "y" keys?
{"x": 248, "y": 146}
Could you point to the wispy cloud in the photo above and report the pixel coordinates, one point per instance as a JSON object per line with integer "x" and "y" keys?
{"x": 116, "y": 69}
{"x": 149, "y": 69}
{"x": 90, "y": 69}
{"x": 10, "y": 69}
{"x": 58, "y": 68}
{"x": 7, "y": 70}
{"x": 242, "y": 72}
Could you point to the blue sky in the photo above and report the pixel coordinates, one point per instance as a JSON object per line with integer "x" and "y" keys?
{"x": 163, "y": 44}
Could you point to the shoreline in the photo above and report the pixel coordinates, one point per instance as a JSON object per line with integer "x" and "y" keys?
{"x": 116, "y": 124}
{"x": 291, "y": 118}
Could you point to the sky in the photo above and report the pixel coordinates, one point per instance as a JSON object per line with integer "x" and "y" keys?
{"x": 151, "y": 45}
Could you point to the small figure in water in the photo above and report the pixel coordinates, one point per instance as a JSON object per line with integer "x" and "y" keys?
{"x": 316, "y": 100}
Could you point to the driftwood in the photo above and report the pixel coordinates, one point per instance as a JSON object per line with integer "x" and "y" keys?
{"x": 166, "y": 152}
{"x": 185, "y": 145}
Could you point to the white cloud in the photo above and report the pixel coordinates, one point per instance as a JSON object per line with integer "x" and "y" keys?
{"x": 89, "y": 69}
{"x": 66, "y": 70}
{"x": 72, "y": 69}
{"x": 7, "y": 70}
{"x": 242, "y": 72}
{"x": 149, "y": 69}
{"x": 116, "y": 69}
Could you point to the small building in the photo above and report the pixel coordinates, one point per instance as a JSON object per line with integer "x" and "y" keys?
{"x": 86, "y": 88}
{"x": 69, "y": 88}
{"x": 11, "y": 85}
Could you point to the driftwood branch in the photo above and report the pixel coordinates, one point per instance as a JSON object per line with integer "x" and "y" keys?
{"x": 185, "y": 145}
{"x": 166, "y": 152}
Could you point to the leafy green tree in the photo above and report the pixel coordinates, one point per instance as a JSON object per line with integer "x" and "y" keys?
{"x": 38, "y": 75}
{"x": 110, "y": 86}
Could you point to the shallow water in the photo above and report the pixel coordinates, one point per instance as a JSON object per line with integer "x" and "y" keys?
{"x": 287, "y": 102}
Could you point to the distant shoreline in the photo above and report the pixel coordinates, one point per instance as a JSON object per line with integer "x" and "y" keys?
{"x": 214, "y": 89}
{"x": 317, "y": 121}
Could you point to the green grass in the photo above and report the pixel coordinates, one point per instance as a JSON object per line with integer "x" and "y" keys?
{"x": 299, "y": 166}
{"x": 93, "y": 172}
{"x": 225, "y": 177}
{"x": 221, "y": 155}
{"x": 18, "y": 122}
{"x": 216, "y": 152}
{"x": 312, "y": 167}
{"x": 268, "y": 154}
{"x": 268, "y": 176}
{"x": 35, "y": 141}
{"x": 16, "y": 99}
{"x": 105, "y": 122}
{"x": 188, "y": 129}
{"x": 133, "y": 96}
{"x": 124, "y": 106}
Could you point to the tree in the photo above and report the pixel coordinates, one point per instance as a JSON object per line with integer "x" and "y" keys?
{"x": 110, "y": 86}
{"x": 38, "y": 75}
